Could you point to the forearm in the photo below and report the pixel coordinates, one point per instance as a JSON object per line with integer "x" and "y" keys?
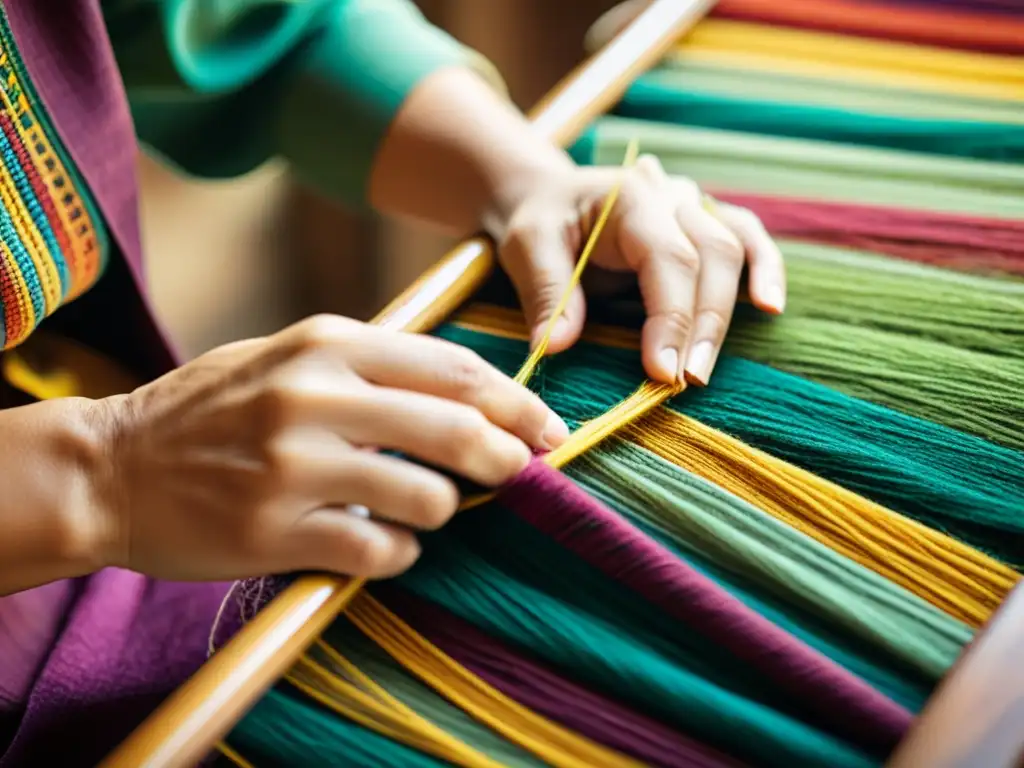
{"x": 49, "y": 526}
{"x": 458, "y": 155}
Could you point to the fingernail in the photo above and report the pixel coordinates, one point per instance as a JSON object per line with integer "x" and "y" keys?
{"x": 555, "y": 432}
{"x": 774, "y": 299}
{"x": 668, "y": 359}
{"x": 699, "y": 363}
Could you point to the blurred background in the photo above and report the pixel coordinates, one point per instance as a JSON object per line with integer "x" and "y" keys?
{"x": 271, "y": 252}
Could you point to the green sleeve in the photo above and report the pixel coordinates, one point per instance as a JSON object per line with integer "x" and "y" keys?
{"x": 218, "y": 87}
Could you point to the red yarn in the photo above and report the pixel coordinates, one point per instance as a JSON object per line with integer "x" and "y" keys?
{"x": 967, "y": 243}
{"x": 945, "y": 27}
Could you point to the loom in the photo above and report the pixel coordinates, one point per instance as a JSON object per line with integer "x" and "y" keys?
{"x": 810, "y": 562}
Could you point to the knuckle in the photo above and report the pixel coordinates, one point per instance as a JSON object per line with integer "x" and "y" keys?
{"x": 258, "y": 532}
{"x": 280, "y": 469}
{"x": 323, "y": 329}
{"x": 649, "y": 165}
{"x": 275, "y": 407}
{"x": 465, "y": 372}
{"x": 676, "y": 322}
{"x": 469, "y": 437}
{"x": 682, "y": 255}
{"x": 523, "y": 231}
{"x": 686, "y": 188}
{"x": 433, "y": 504}
{"x": 723, "y": 246}
{"x": 714, "y": 323}
{"x": 372, "y": 556}
{"x": 746, "y": 217}
{"x": 635, "y": 186}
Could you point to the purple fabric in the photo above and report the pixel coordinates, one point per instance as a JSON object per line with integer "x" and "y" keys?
{"x": 125, "y": 642}
{"x": 129, "y": 641}
{"x": 551, "y": 695}
{"x": 29, "y": 623}
{"x": 825, "y": 692}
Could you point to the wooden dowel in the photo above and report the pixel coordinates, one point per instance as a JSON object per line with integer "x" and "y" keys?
{"x": 975, "y": 718}
{"x": 187, "y": 726}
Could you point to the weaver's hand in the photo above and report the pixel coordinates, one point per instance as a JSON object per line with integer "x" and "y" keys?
{"x": 243, "y": 461}
{"x": 688, "y": 260}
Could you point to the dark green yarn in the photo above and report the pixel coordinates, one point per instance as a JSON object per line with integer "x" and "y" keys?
{"x": 974, "y": 392}
{"x": 518, "y": 585}
{"x": 655, "y": 98}
{"x": 718, "y": 527}
{"x": 286, "y": 729}
{"x": 950, "y": 480}
{"x": 899, "y": 681}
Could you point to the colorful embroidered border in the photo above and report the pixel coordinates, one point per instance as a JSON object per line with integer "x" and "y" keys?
{"x": 53, "y": 246}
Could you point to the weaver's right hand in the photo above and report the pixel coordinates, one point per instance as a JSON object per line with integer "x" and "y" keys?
{"x": 242, "y": 462}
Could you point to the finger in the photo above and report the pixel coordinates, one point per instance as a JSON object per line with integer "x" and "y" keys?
{"x": 721, "y": 264}
{"x": 667, "y": 267}
{"x": 442, "y": 369}
{"x": 539, "y": 263}
{"x": 332, "y": 540}
{"x": 767, "y": 279}
{"x": 392, "y": 488}
{"x": 442, "y": 432}
{"x": 346, "y": 353}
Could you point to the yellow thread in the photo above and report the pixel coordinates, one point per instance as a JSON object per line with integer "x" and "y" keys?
{"x": 233, "y": 756}
{"x": 362, "y": 700}
{"x": 956, "y": 578}
{"x": 407, "y": 725}
{"x": 960, "y": 580}
{"x": 550, "y": 742}
{"x": 834, "y": 56}
{"x": 523, "y": 377}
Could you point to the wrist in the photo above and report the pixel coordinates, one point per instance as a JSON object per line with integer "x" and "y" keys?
{"x": 51, "y": 454}
{"x": 459, "y": 155}
{"x": 536, "y": 166}
{"x": 85, "y": 514}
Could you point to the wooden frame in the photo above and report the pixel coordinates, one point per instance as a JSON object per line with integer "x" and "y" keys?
{"x": 188, "y": 725}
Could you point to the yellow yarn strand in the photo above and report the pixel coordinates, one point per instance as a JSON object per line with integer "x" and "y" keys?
{"x": 829, "y": 55}
{"x": 956, "y": 578}
{"x": 354, "y": 695}
{"x": 526, "y": 372}
{"x": 233, "y": 756}
{"x": 960, "y": 580}
{"x": 550, "y": 742}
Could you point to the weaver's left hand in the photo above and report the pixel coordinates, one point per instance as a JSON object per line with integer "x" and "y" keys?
{"x": 688, "y": 260}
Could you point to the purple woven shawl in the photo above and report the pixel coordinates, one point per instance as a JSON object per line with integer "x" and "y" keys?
{"x": 94, "y": 656}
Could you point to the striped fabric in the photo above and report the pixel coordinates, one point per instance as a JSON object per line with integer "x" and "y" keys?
{"x": 52, "y": 244}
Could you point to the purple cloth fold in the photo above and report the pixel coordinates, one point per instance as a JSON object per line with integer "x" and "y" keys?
{"x": 827, "y": 694}
{"x": 123, "y": 642}
{"x": 129, "y": 641}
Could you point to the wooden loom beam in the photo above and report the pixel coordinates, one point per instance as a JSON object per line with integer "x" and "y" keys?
{"x": 187, "y": 726}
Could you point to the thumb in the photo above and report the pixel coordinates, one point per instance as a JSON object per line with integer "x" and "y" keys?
{"x": 540, "y": 265}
